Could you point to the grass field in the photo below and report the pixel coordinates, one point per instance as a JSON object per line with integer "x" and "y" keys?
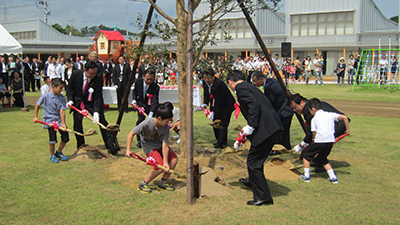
{"x": 35, "y": 191}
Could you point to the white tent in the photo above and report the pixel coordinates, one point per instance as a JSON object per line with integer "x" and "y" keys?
{"x": 8, "y": 44}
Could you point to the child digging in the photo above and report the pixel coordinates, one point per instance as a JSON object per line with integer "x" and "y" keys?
{"x": 154, "y": 133}
{"x": 54, "y": 105}
{"x": 323, "y": 128}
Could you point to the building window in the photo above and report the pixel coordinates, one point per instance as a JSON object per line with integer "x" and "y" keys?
{"x": 24, "y": 35}
{"x": 336, "y": 23}
{"x": 115, "y": 45}
{"x": 102, "y": 45}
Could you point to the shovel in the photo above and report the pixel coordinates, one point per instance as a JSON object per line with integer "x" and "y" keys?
{"x": 110, "y": 127}
{"x": 154, "y": 164}
{"x": 90, "y": 132}
{"x": 215, "y": 123}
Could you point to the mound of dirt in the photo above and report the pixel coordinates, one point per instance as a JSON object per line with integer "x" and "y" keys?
{"x": 279, "y": 169}
{"x": 89, "y": 153}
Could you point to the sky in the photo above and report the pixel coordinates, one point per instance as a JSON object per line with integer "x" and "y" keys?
{"x": 80, "y": 13}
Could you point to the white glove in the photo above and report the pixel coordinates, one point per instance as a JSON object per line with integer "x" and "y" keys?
{"x": 300, "y": 147}
{"x": 150, "y": 115}
{"x": 70, "y": 103}
{"x": 96, "y": 117}
{"x": 247, "y": 130}
{"x": 211, "y": 116}
{"x": 204, "y": 106}
{"x": 237, "y": 145}
{"x": 115, "y": 86}
{"x": 134, "y": 103}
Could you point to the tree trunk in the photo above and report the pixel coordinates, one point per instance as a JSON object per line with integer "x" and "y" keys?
{"x": 181, "y": 54}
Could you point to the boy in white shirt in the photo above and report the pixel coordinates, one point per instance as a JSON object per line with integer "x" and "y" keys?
{"x": 323, "y": 128}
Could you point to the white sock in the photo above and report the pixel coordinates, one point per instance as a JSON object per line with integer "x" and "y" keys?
{"x": 331, "y": 174}
{"x": 307, "y": 172}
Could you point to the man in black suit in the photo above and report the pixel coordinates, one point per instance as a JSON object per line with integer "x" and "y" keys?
{"x": 277, "y": 98}
{"x": 95, "y": 58}
{"x": 36, "y": 69}
{"x": 221, "y": 101}
{"x": 300, "y": 105}
{"x": 263, "y": 128}
{"x": 78, "y": 65}
{"x": 28, "y": 76}
{"x": 122, "y": 71}
{"x": 85, "y": 91}
{"x": 4, "y": 68}
{"x": 108, "y": 72}
{"x": 145, "y": 94}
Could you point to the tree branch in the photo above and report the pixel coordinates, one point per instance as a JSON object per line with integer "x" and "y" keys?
{"x": 211, "y": 13}
{"x": 161, "y": 12}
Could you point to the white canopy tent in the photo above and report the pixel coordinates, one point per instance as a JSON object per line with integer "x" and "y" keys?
{"x": 8, "y": 44}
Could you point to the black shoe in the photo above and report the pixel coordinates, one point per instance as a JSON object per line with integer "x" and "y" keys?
{"x": 245, "y": 182}
{"x": 260, "y": 202}
{"x": 319, "y": 170}
{"x": 218, "y": 146}
{"x": 275, "y": 153}
{"x": 215, "y": 143}
{"x": 114, "y": 150}
{"x": 139, "y": 144}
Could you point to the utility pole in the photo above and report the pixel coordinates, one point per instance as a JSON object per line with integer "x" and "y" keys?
{"x": 43, "y": 5}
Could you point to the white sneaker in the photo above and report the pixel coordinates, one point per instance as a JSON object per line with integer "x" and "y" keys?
{"x": 178, "y": 141}
{"x": 176, "y": 137}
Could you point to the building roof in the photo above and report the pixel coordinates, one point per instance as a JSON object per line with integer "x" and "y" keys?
{"x": 110, "y": 35}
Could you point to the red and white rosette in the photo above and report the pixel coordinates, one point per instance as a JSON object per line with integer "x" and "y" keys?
{"x": 194, "y": 86}
{"x": 90, "y": 95}
{"x": 149, "y": 100}
{"x": 173, "y": 87}
{"x": 213, "y": 99}
{"x": 162, "y": 87}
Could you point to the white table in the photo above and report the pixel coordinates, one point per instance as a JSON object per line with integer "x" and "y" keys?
{"x": 171, "y": 95}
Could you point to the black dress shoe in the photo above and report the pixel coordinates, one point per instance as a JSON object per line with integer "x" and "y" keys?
{"x": 260, "y": 202}
{"x": 215, "y": 143}
{"x": 275, "y": 153}
{"x": 139, "y": 145}
{"x": 245, "y": 182}
{"x": 114, "y": 150}
{"x": 218, "y": 146}
{"x": 318, "y": 170}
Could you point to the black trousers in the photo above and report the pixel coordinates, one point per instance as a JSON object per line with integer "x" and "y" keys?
{"x": 255, "y": 166}
{"x": 120, "y": 96}
{"x": 284, "y": 137}
{"x": 222, "y": 134}
{"x": 37, "y": 81}
{"x": 106, "y": 135}
{"x": 108, "y": 80}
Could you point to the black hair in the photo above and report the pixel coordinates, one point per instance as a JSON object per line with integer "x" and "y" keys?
{"x": 209, "y": 71}
{"x": 235, "y": 75}
{"x": 150, "y": 71}
{"x": 315, "y": 103}
{"x": 164, "y": 112}
{"x": 296, "y": 98}
{"x": 68, "y": 61}
{"x": 53, "y": 57}
{"x": 56, "y": 82}
{"x": 277, "y": 55}
{"x": 121, "y": 56}
{"x": 45, "y": 78}
{"x": 90, "y": 65}
{"x": 169, "y": 105}
{"x": 258, "y": 74}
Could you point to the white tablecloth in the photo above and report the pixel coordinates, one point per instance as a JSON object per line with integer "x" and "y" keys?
{"x": 110, "y": 96}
